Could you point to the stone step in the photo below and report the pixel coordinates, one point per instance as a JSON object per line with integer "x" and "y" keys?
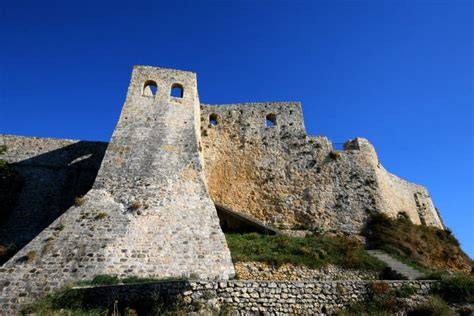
{"x": 396, "y": 265}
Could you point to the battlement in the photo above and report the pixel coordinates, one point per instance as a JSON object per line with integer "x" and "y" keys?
{"x": 277, "y": 115}
{"x": 155, "y": 82}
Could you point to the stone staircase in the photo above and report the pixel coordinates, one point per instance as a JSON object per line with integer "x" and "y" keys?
{"x": 403, "y": 270}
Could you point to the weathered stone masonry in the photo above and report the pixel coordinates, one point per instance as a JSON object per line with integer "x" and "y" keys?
{"x": 148, "y": 213}
{"x": 284, "y": 177}
{"x": 53, "y": 172}
{"x": 148, "y": 209}
{"x": 255, "y": 297}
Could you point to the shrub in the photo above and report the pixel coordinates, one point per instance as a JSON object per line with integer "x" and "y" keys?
{"x": 457, "y": 288}
{"x": 30, "y": 256}
{"x": 379, "y": 287}
{"x": 3, "y": 250}
{"x": 434, "y": 307}
{"x": 405, "y": 291}
{"x": 63, "y": 302}
{"x": 403, "y": 216}
{"x": 6, "y": 251}
{"x": 101, "y": 215}
{"x": 300, "y": 227}
{"x": 335, "y": 154}
{"x": 105, "y": 279}
{"x": 72, "y": 302}
{"x": 381, "y": 301}
{"x": 79, "y": 200}
{"x": 135, "y": 205}
{"x": 135, "y": 279}
{"x": 60, "y": 227}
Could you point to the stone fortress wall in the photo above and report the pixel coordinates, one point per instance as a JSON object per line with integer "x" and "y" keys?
{"x": 52, "y": 173}
{"x": 276, "y": 174}
{"x": 150, "y": 211}
{"x": 286, "y": 178}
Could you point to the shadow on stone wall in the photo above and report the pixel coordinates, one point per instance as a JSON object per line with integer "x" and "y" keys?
{"x": 49, "y": 184}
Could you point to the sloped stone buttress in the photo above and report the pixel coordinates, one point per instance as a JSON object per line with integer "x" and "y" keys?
{"x": 148, "y": 214}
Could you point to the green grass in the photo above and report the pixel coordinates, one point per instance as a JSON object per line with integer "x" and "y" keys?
{"x": 60, "y": 227}
{"x": 389, "y": 304}
{"x": 435, "y": 306}
{"x": 76, "y": 302}
{"x": 383, "y": 301}
{"x": 105, "y": 279}
{"x": 71, "y": 302}
{"x": 457, "y": 288}
{"x": 313, "y": 251}
{"x": 423, "y": 247}
{"x": 63, "y": 302}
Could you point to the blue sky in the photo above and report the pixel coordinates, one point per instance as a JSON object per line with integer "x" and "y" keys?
{"x": 399, "y": 73}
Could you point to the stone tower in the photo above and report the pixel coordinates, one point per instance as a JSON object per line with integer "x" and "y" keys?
{"x": 148, "y": 214}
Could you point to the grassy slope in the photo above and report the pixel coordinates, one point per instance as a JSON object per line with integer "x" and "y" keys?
{"x": 429, "y": 247}
{"x": 313, "y": 251}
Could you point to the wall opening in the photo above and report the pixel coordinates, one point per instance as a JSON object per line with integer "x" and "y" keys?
{"x": 150, "y": 88}
{"x": 271, "y": 120}
{"x": 213, "y": 119}
{"x": 177, "y": 90}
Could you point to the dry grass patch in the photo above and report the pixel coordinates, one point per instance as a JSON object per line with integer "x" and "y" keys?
{"x": 31, "y": 256}
{"x": 79, "y": 200}
{"x": 426, "y": 246}
{"x": 135, "y": 205}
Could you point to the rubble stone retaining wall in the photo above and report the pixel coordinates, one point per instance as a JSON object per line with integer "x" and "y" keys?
{"x": 253, "y": 297}
{"x": 290, "y": 272}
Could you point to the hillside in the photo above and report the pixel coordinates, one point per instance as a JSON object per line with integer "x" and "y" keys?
{"x": 429, "y": 247}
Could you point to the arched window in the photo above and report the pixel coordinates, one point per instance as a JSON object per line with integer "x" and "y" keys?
{"x": 271, "y": 120}
{"x": 150, "y": 88}
{"x": 177, "y": 90}
{"x": 213, "y": 119}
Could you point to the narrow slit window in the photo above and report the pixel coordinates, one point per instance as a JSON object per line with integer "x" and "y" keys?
{"x": 271, "y": 120}
{"x": 177, "y": 90}
{"x": 150, "y": 88}
{"x": 213, "y": 119}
